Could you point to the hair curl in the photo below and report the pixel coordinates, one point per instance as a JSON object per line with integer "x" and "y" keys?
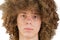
{"x": 47, "y": 11}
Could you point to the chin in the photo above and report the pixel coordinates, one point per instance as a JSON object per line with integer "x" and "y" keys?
{"x": 29, "y": 35}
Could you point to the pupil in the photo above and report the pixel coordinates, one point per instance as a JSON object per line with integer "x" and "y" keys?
{"x": 34, "y": 16}
{"x": 23, "y": 15}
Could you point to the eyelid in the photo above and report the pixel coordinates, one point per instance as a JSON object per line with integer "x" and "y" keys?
{"x": 35, "y": 15}
{"x": 23, "y": 15}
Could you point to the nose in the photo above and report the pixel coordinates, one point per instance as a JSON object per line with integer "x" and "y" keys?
{"x": 28, "y": 20}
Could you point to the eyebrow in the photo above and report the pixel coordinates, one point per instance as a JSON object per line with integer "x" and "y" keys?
{"x": 23, "y": 13}
{"x": 35, "y": 13}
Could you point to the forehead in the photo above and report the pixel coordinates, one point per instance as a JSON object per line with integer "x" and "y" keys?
{"x": 29, "y": 11}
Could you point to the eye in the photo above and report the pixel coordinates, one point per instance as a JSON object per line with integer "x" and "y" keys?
{"x": 23, "y": 16}
{"x": 35, "y": 16}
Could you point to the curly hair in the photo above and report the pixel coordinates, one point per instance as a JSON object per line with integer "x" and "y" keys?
{"x": 46, "y": 9}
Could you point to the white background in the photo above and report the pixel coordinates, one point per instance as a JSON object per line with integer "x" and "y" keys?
{"x": 5, "y": 36}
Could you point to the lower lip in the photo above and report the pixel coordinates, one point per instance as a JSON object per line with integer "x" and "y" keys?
{"x": 28, "y": 29}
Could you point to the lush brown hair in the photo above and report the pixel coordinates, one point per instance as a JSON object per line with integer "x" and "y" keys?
{"x": 46, "y": 9}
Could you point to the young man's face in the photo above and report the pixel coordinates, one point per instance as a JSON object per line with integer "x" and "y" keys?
{"x": 28, "y": 23}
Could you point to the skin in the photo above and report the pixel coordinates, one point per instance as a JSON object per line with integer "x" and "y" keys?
{"x": 28, "y": 24}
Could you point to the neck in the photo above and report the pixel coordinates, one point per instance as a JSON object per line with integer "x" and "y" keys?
{"x": 21, "y": 37}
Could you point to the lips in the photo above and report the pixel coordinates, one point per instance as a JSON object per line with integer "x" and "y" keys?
{"x": 28, "y": 28}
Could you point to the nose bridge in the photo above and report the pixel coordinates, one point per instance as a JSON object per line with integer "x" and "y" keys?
{"x": 28, "y": 19}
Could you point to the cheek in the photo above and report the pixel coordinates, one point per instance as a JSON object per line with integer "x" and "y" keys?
{"x": 37, "y": 26}
{"x": 37, "y": 23}
{"x": 19, "y": 23}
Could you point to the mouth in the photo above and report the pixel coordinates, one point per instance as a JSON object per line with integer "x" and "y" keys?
{"x": 28, "y": 28}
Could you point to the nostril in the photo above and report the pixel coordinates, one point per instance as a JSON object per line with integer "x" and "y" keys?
{"x": 28, "y": 20}
{"x": 28, "y": 23}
